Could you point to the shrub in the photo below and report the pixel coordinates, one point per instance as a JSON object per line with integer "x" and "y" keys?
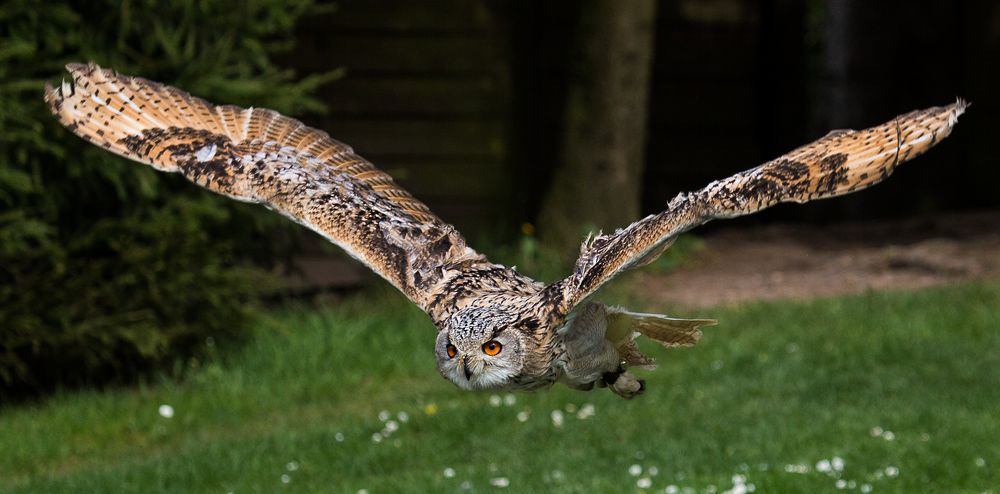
{"x": 107, "y": 267}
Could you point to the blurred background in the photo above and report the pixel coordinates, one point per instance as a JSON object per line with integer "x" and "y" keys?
{"x": 525, "y": 124}
{"x": 156, "y": 337}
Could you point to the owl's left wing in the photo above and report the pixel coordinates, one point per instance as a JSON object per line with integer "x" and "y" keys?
{"x": 843, "y": 161}
{"x": 257, "y": 155}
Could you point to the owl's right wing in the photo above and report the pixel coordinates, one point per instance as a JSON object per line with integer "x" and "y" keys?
{"x": 843, "y": 161}
{"x": 257, "y": 155}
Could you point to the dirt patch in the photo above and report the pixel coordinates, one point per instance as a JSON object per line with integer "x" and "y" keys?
{"x": 798, "y": 262}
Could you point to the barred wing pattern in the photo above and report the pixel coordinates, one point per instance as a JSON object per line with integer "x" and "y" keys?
{"x": 843, "y": 161}
{"x": 257, "y": 155}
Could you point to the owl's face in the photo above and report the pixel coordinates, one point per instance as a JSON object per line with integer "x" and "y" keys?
{"x": 479, "y": 349}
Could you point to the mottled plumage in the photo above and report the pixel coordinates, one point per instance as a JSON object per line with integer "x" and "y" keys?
{"x": 498, "y": 329}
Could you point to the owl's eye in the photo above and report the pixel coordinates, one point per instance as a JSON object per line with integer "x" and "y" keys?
{"x": 452, "y": 351}
{"x": 492, "y": 347}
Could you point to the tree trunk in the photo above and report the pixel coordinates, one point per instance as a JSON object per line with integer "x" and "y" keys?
{"x": 597, "y": 180}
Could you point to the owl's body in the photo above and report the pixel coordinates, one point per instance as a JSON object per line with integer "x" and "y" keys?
{"x": 497, "y": 328}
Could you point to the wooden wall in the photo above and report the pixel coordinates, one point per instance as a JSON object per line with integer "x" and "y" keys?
{"x": 462, "y": 100}
{"x": 425, "y": 96}
{"x": 704, "y": 106}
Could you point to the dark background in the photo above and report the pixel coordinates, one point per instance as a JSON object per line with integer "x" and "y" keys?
{"x": 462, "y": 99}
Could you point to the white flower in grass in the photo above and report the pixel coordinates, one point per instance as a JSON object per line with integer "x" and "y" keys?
{"x": 166, "y": 411}
{"x": 876, "y": 431}
{"x": 465, "y": 485}
{"x": 652, "y": 471}
{"x": 391, "y": 426}
{"x": 509, "y": 400}
{"x": 891, "y": 471}
{"x": 635, "y": 470}
{"x": 495, "y": 400}
{"x": 448, "y": 473}
{"x": 739, "y": 485}
{"x": 671, "y": 489}
{"x": 377, "y": 438}
{"x": 980, "y": 462}
{"x": 823, "y": 466}
{"x": 339, "y": 437}
{"x": 644, "y": 483}
{"x": 403, "y": 416}
{"x": 557, "y": 418}
{"x": 837, "y": 463}
{"x": 866, "y": 488}
{"x": 500, "y": 482}
{"x": 840, "y": 484}
{"x": 292, "y": 466}
{"x": 888, "y": 436}
{"x": 384, "y": 415}
{"x": 362, "y": 491}
{"x": 285, "y": 478}
{"x": 570, "y": 408}
{"x": 523, "y": 415}
{"x": 586, "y": 411}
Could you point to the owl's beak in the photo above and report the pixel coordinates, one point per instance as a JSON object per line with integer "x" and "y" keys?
{"x": 466, "y": 369}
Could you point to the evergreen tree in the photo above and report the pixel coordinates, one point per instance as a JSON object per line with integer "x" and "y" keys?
{"x": 107, "y": 267}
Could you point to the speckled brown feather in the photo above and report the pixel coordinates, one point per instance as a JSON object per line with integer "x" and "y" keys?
{"x": 258, "y": 155}
{"x": 843, "y": 161}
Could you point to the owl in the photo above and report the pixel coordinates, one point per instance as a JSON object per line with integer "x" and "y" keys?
{"x": 497, "y": 328}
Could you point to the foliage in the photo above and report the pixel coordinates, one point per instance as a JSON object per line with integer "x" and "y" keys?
{"x": 544, "y": 263}
{"x": 527, "y": 254}
{"x": 106, "y": 266}
{"x": 768, "y": 394}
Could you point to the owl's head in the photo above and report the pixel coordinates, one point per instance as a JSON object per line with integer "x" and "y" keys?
{"x": 479, "y": 348}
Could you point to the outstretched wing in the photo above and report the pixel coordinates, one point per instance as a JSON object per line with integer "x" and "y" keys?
{"x": 841, "y": 162}
{"x": 258, "y": 155}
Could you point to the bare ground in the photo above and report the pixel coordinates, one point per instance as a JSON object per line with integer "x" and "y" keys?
{"x": 799, "y": 262}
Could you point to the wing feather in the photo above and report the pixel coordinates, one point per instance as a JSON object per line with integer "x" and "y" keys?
{"x": 841, "y": 162}
{"x": 258, "y": 155}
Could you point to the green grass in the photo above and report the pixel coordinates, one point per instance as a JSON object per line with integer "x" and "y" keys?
{"x": 775, "y": 386}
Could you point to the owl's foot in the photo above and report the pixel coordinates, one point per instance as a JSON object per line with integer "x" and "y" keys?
{"x": 624, "y": 384}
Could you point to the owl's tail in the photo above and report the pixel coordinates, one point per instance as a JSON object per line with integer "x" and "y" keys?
{"x": 624, "y": 326}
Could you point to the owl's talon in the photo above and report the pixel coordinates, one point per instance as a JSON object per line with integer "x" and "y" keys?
{"x": 627, "y": 386}
{"x": 609, "y": 378}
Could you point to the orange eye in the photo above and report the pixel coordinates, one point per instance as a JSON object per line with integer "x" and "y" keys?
{"x": 492, "y": 347}
{"x": 452, "y": 351}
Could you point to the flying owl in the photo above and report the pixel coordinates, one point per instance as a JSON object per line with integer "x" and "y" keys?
{"x": 497, "y": 329}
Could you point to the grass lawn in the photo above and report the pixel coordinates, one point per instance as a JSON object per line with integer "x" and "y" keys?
{"x": 884, "y": 392}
